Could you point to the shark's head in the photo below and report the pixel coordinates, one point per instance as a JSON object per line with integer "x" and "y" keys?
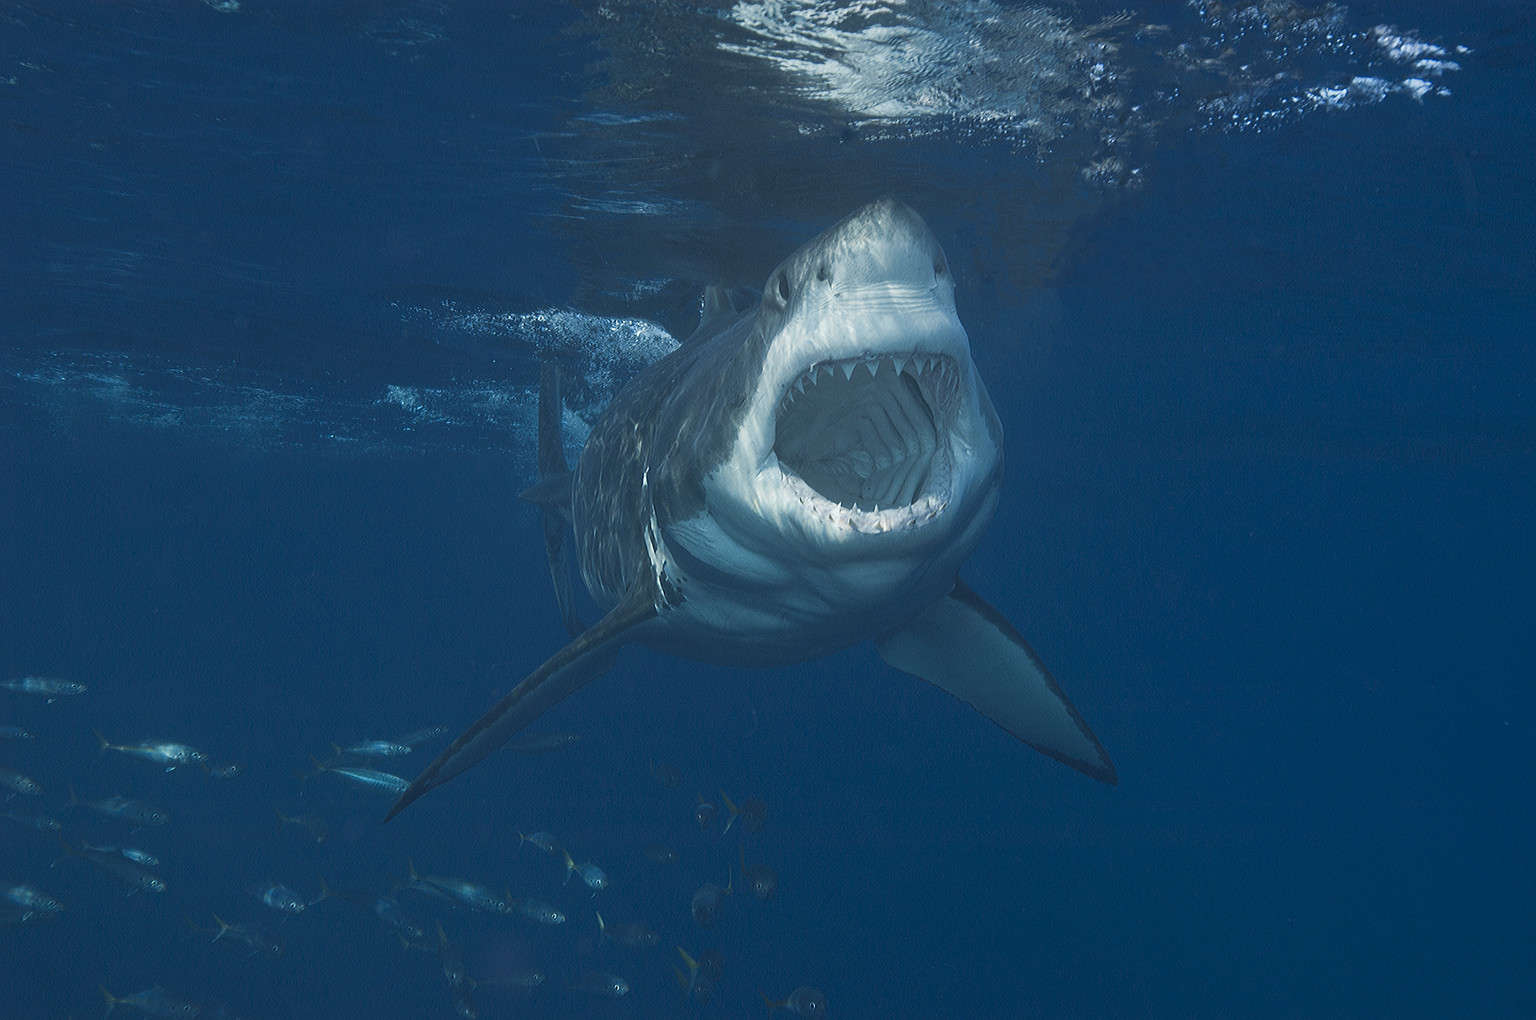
{"x": 865, "y": 436}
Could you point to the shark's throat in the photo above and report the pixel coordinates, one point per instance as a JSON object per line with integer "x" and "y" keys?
{"x": 867, "y": 433}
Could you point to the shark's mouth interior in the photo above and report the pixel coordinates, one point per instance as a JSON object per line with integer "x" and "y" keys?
{"x": 865, "y": 432}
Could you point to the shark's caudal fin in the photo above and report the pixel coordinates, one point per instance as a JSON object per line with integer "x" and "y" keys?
{"x": 963, "y": 645}
{"x": 552, "y": 494}
{"x": 584, "y": 659}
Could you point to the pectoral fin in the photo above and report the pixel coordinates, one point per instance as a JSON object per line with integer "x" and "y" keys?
{"x": 963, "y": 645}
{"x": 563, "y": 673}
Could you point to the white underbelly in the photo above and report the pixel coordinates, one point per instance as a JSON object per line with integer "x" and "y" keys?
{"x": 808, "y": 614}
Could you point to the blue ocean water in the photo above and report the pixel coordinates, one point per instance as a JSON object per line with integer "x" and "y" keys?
{"x": 1251, "y": 286}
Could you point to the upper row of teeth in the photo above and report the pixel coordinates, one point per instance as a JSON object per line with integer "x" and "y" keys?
{"x": 920, "y": 363}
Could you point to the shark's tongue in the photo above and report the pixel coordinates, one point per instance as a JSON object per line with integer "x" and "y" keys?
{"x": 863, "y": 432}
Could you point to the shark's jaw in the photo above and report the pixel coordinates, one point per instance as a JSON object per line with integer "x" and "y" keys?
{"x": 863, "y": 440}
{"x": 866, "y": 432}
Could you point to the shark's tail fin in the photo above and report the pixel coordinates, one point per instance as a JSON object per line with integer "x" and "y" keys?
{"x": 732, "y": 810}
{"x": 552, "y": 493}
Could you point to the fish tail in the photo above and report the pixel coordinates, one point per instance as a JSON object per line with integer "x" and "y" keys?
{"x": 111, "y": 999}
{"x": 769, "y": 1002}
{"x": 106, "y": 745}
{"x": 223, "y": 927}
{"x": 691, "y": 981}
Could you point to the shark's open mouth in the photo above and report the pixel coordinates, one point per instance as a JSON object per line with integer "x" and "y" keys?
{"x": 865, "y": 432}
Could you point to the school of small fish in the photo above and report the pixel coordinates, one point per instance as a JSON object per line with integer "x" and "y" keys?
{"x": 420, "y": 911}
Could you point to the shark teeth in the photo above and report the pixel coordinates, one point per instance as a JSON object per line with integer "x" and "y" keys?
{"x": 938, "y": 374}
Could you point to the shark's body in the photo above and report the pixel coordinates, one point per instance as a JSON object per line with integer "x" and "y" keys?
{"x": 795, "y": 478}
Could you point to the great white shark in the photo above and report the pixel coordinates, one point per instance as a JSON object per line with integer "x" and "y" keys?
{"x": 795, "y": 478}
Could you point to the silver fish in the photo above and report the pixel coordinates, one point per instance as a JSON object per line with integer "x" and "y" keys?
{"x": 155, "y": 1001}
{"x": 372, "y": 779}
{"x": 164, "y": 752}
{"x": 538, "y": 910}
{"x": 466, "y": 893}
{"x": 137, "y": 856}
{"x": 595, "y": 878}
{"x": 543, "y": 743}
{"x": 285, "y": 900}
{"x": 803, "y": 1001}
{"x": 543, "y": 840}
{"x": 604, "y": 986}
{"x": 256, "y": 939}
{"x": 122, "y": 808}
{"x": 423, "y": 735}
{"x": 19, "y": 783}
{"x": 633, "y": 934}
{"x": 42, "y": 823}
{"x": 31, "y": 898}
{"x": 374, "y": 749}
{"x": 118, "y": 867}
{"x": 49, "y": 687}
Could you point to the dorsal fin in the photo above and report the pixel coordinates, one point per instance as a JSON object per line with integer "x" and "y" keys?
{"x": 722, "y": 306}
{"x": 552, "y": 493}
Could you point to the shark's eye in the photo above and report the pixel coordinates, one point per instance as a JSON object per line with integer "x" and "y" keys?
{"x": 938, "y": 267}
{"x": 784, "y": 288}
{"x": 822, "y": 274}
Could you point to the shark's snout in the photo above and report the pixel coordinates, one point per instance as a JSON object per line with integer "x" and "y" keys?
{"x": 884, "y": 245}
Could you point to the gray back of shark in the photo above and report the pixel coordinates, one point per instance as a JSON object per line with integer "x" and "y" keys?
{"x": 795, "y": 478}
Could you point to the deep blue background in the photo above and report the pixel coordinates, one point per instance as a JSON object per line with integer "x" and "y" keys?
{"x": 1267, "y": 514}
